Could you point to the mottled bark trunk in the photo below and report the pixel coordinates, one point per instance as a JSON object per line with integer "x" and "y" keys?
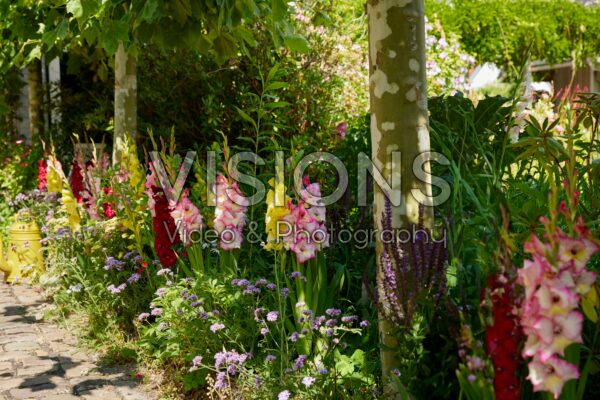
{"x": 399, "y": 122}
{"x": 125, "y": 102}
{"x": 34, "y": 80}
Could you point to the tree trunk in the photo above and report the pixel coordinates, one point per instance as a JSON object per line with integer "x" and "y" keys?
{"x": 399, "y": 122}
{"x": 34, "y": 80}
{"x": 125, "y": 102}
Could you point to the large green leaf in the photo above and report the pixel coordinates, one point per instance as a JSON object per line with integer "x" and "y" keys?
{"x": 75, "y": 7}
{"x": 297, "y": 43}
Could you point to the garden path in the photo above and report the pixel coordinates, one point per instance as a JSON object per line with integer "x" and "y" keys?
{"x": 39, "y": 360}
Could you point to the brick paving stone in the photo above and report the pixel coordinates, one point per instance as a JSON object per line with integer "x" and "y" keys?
{"x": 39, "y": 360}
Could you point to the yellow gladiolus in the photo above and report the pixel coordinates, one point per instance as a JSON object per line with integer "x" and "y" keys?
{"x": 134, "y": 168}
{"x": 54, "y": 176}
{"x": 69, "y": 206}
{"x": 272, "y": 218}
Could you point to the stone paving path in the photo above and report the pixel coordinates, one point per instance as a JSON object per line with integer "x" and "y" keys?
{"x": 39, "y": 360}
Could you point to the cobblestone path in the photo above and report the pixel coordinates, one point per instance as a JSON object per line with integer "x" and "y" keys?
{"x": 39, "y": 360}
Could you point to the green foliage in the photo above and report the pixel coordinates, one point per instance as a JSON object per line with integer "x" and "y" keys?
{"x": 501, "y": 31}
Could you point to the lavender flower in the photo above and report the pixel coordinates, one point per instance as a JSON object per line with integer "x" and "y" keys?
{"x": 134, "y": 277}
{"x": 409, "y": 269}
{"x": 156, "y": 312}
{"x": 364, "y": 323}
{"x": 271, "y": 286}
{"x": 308, "y": 381}
{"x": 116, "y": 290}
{"x": 294, "y": 337}
{"x": 196, "y": 363}
{"x": 202, "y": 315}
{"x": 143, "y": 316}
{"x": 257, "y": 313}
{"x": 110, "y": 263}
{"x": 251, "y": 289}
{"x": 285, "y": 395}
{"x": 272, "y": 316}
{"x": 264, "y": 331}
{"x": 216, "y": 327}
{"x": 284, "y": 292}
{"x": 333, "y": 312}
{"x": 160, "y": 292}
{"x": 129, "y": 254}
{"x": 299, "y": 362}
{"x": 270, "y": 358}
{"x": 164, "y": 271}
{"x": 220, "y": 381}
{"x": 298, "y": 275}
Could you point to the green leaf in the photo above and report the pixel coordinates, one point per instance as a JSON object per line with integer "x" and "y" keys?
{"x": 224, "y": 48}
{"x": 279, "y": 9}
{"x": 276, "y": 104}
{"x": 148, "y": 11}
{"x": 62, "y": 29}
{"x": 245, "y": 116}
{"x": 297, "y": 43}
{"x": 275, "y": 86}
{"x": 34, "y": 54}
{"x": 589, "y": 310}
{"x": 75, "y": 8}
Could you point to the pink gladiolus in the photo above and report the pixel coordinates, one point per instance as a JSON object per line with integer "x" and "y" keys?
{"x": 151, "y": 181}
{"x": 550, "y": 317}
{"x": 551, "y": 375}
{"x": 307, "y": 234}
{"x": 187, "y": 217}
{"x": 230, "y": 213}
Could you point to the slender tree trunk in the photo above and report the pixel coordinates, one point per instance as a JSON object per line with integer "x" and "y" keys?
{"x": 34, "y": 80}
{"x": 125, "y": 101}
{"x": 399, "y": 122}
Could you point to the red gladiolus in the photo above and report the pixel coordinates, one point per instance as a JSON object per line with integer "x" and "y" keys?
{"x": 503, "y": 339}
{"x": 42, "y": 170}
{"x": 76, "y": 182}
{"x": 165, "y": 230}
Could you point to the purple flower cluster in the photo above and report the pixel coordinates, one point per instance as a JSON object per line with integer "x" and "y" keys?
{"x": 409, "y": 269}
{"x": 299, "y": 362}
{"x": 216, "y": 327}
{"x": 298, "y": 275}
{"x": 112, "y": 263}
{"x": 196, "y": 363}
{"x": 253, "y": 288}
{"x": 134, "y": 278}
{"x": 228, "y": 363}
{"x": 116, "y": 289}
